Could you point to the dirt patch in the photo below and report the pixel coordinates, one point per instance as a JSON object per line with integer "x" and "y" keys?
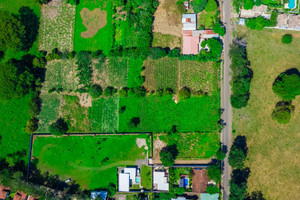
{"x": 85, "y": 100}
{"x": 157, "y": 147}
{"x": 167, "y": 18}
{"x": 140, "y": 142}
{"x": 148, "y": 73}
{"x": 93, "y": 20}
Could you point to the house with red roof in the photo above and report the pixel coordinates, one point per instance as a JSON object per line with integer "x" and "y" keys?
{"x": 4, "y": 192}
{"x": 191, "y": 37}
{"x": 20, "y": 196}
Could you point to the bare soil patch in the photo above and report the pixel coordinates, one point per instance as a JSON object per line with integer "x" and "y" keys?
{"x": 85, "y": 100}
{"x": 93, "y": 20}
{"x": 167, "y": 18}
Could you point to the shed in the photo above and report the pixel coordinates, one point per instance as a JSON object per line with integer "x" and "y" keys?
{"x": 189, "y": 22}
{"x": 4, "y": 192}
{"x": 160, "y": 181}
{"x": 184, "y": 181}
{"x": 206, "y": 196}
{"x": 123, "y": 182}
{"x": 20, "y": 196}
{"x": 242, "y": 21}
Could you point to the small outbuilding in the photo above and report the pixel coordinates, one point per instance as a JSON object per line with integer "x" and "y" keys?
{"x": 123, "y": 182}
{"x": 206, "y": 196}
{"x": 160, "y": 181}
{"x": 20, "y": 196}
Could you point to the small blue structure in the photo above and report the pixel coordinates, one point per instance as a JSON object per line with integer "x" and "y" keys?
{"x": 184, "y": 181}
{"x": 206, "y": 196}
{"x": 242, "y": 21}
{"x": 102, "y": 194}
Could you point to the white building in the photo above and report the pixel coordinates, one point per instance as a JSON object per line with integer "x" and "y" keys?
{"x": 132, "y": 173}
{"x": 123, "y": 182}
{"x": 160, "y": 181}
{"x": 189, "y": 22}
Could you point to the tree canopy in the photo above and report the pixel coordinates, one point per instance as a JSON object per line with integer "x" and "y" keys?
{"x": 282, "y": 112}
{"x": 238, "y": 152}
{"x": 214, "y": 172}
{"x": 168, "y": 155}
{"x": 198, "y": 5}
{"x": 60, "y": 127}
{"x": 214, "y": 52}
{"x": 287, "y": 39}
{"x": 211, "y": 6}
{"x": 257, "y": 23}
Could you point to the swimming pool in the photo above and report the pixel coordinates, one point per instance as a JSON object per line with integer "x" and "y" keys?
{"x": 292, "y": 4}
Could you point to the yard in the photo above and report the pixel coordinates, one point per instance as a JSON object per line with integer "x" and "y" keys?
{"x": 93, "y": 26}
{"x": 91, "y": 161}
{"x": 274, "y": 148}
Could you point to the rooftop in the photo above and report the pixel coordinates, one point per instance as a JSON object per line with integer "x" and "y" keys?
{"x": 160, "y": 180}
{"x": 123, "y": 182}
{"x": 200, "y": 180}
{"x": 4, "y": 191}
{"x": 20, "y": 196}
{"x": 206, "y": 196}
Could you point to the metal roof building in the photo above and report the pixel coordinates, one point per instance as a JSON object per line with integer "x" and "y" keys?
{"x": 160, "y": 180}
{"x": 123, "y": 182}
{"x": 189, "y": 22}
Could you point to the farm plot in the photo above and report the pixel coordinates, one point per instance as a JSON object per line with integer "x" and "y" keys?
{"x": 161, "y": 73}
{"x": 49, "y": 112}
{"x": 61, "y": 74}
{"x": 166, "y": 40}
{"x": 112, "y": 73}
{"x": 57, "y": 26}
{"x": 94, "y": 28}
{"x": 199, "y": 76}
{"x": 91, "y": 161}
{"x": 104, "y": 115}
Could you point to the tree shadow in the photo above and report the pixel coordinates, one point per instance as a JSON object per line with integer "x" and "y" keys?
{"x": 256, "y": 195}
{"x": 240, "y": 142}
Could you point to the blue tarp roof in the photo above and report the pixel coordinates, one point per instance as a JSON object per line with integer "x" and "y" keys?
{"x": 102, "y": 194}
{"x": 206, "y": 196}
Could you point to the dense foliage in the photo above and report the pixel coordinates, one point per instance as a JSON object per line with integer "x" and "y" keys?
{"x": 84, "y": 69}
{"x": 287, "y": 39}
{"x": 95, "y": 91}
{"x": 241, "y": 75}
{"x": 248, "y": 4}
{"x": 282, "y": 112}
{"x": 214, "y": 172}
{"x": 212, "y": 189}
{"x": 219, "y": 29}
{"x": 238, "y": 184}
{"x": 157, "y": 52}
{"x": 287, "y": 84}
{"x": 168, "y": 155}
{"x": 184, "y": 93}
{"x": 257, "y": 23}
{"x": 273, "y": 19}
{"x": 213, "y": 52}
{"x": 60, "y": 127}
{"x": 198, "y": 5}
{"x": 211, "y": 6}
{"x": 238, "y": 152}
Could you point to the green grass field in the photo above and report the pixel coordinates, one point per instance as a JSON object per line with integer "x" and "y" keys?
{"x": 57, "y": 27}
{"x": 13, "y": 138}
{"x": 206, "y": 20}
{"x": 146, "y": 177}
{"x": 103, "y": 39}
{"x": 274, "y": 148}
{"x": 17, "y": 4}
{"x": 83, "y": 158}
{"x": 194, "y": 145}
{"x": 61, "y": 74}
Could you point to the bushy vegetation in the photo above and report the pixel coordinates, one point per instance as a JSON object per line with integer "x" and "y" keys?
{"x": 95, "y": 91}
{"x": 248, "y": 4}
{"x": 157, "y": 52}
{"x": 287, "y": 39}
{"x": 198, "y": 5}
{"x": 60, "y": 127}
{"x": 211, "y": 6}
{"x": 238, "y": 152}
{"x": 241, "y": 76}
{"x": 257, "y": 23}
{"x": 84, "y": 70}
{"x": 168, "y": 155}
{"x": 273, "y": 19}
{"x": 212, "y": 189}
{"x": 214, "y": 172}
{"x": 282, "y": 112}
{"x": 287, "y": 84}
{"x": 184, "y": 93}
{"x": 214, "y": 52}
{"x": 219, "y": 29}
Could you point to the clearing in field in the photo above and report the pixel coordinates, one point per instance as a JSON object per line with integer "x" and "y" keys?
{"x": 111, "y": 73}
{"x": 93, "y": 27}
{"x": 57, "y": 26}
{"x": 273, "y": 148}
{"x": 91, "y": 161}
{"x": 61, "y": 74}
{"x": 167, "y": 18}
{"x": 93, "y": 21}
{"x": 166, "y": 40}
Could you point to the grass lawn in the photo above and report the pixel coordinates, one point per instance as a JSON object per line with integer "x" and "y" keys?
{"x": 13, "y": 138}
{"x": 158, "y": 114}
{"x": 274, "y": 149}
{"x": 194, "y": 145}
{"x": 103, "y": 39}
{"x": 146, "y": 177}
{"x": 57, "y": 27}
{"x": 91, "y": 161}
{"x": 61, "y": 74}
{"x": 166, "y": 40}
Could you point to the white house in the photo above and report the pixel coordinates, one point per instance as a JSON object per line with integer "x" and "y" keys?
{"x": 160, "y": 181}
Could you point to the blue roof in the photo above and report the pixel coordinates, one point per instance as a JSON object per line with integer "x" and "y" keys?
{"x": 206, "y": 196}
{"x": 102, "y": 194}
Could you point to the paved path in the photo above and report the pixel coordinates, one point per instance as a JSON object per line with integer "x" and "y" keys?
{"x": 225, "y": 95}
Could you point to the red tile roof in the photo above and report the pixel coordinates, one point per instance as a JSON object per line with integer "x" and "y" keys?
{"x": 33, "y": 198}
{"x": 20, "y": 196}
{"x": 209, "y": 32}
{"x": 187, "y": 33}
{"x": 200, "y": 180}
{"x": 190, "y": 45}
{"x": 4, "y": 191}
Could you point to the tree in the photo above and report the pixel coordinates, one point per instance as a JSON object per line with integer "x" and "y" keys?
{"x": 257, "y": 23}
{"x": 31, "y": 125}
{"x": 179, "y": 191}
{"x": 287, "y": 85}
{"x": 258, "y": 2}
{"x": 211, "y": 6}
{"x": 184, "y": 93}
{"x": 168, "y": 155}
{"x": 220, "y": 155}
{"x": 248, "y": 4}
{"x": 124, "y": 92}
{"x": 214, "y": 52}
{"x": 109, "y": 91}
{"x": 238, "y": 152}
{"x": 95, "y": 91}
{"x": 134, "y": 122}
{"x": 212, "y": 189}
{"x": 12, "y": 31}
{"x": 219, "y": 29}
{"x": 282, "y": 112}
{"x": 273, "y": 19}
{"x": 287, "y": 39}
{"x": 44, "y": 1}
{"x": 60, "y": 127}
{"x": 14, "y": 83}
{"x": 174, "y": 53}
{"x": 157, "y": 52}
{"x": 237, "y": 191}
{"x": 214, "y": 172}
{"x": 111, "y": 190}
{"x": 198, "y": 5}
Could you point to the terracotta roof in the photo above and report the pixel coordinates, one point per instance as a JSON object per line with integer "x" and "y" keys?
{"x": 190, "y": 45}
{"x": 4, "y": 191}
{"x": 33, "y": 198}
{"x": 187, "y": 33}
{"x": 209, "y": 32}
{"x": 20, "y": 196}
{"x": 200, "y": 180}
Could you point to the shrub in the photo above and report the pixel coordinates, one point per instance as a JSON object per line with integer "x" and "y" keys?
{"x": 157, "y": 52}
{"x": 168, "y": 155}
{"x": 109, "y": 91}
{"x": 198, "y": 5}
{"x": 287, "y": 39}
{"x": 180, "y": 6}
{"x": 174, "y": 53}
{"x": 238, "y": 152}
{"x": 220, "y": 155}
{"x": 84, "y": 70}
{"x": 95, "y": 91}
{"x": 282, "y": 112}
{"x": 214, "y": 172}
{"x": 124, "y": 92}
{"x": 179, "y": 191}
{"x": 34, "y": 105}
{"x": 273, "y": 19}
{"x": 134, "y": 122}
{"x": 60, "y": 127}
{"x": 39, "y": 62}
{"x": 31, "y": 125}
{"x": 248, "y": 4}
{"x": 287, "y": 85}
{"x": 258, "y": 2}
{"x": 214, "y": 53}
{"x": 212, "y": 189}
{"x": 1, "y": 55}
{"x": 111, "y": 190}
{"x": 219, "y": 29}
{"x": 71, "y": 55}
{"x": 138, "y": 91}
{"x": 257, "y": 23}
{"x": 184, "y": 93}
{"x": 54, "y": 55}
{"x": 211, "y": 6}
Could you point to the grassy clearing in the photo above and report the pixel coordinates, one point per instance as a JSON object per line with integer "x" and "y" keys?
{"x": 166, "y": 40}
{"x": 194, "y": 145}
{"x": 104, "y": 115}
{"x": 75, "y": 115}
{"x": 83, "y": 158}
{"x": 61, "y": 74}
{"x": 103, "y": 39}
{"x": 146, "y": 176}
{"x": 49, "y": 112}
{"x": 199, "y": 76}
{"x": 134, "y": 78}
{"x": 205, "y": 20}
{"x": 13, "y": 138}
{"x": 273, "y": 148}
{"x": 158, "y": 114}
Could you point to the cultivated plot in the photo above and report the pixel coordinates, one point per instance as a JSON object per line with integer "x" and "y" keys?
{"x": 57, "y": 26}
{"x": 91, "y": 161}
